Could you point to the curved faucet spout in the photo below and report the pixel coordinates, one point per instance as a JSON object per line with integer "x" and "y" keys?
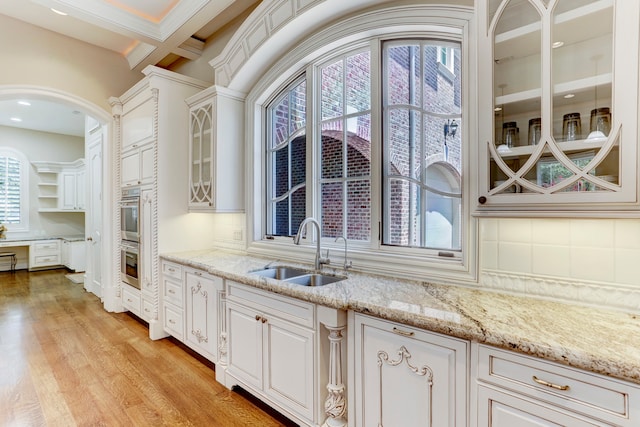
{"x": 319, "y": 260}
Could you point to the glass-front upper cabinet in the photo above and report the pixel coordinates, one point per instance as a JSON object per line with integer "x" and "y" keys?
{"x": 558, "y": 113}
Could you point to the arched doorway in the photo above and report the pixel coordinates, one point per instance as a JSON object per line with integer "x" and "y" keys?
{"x": 97, "y": 153}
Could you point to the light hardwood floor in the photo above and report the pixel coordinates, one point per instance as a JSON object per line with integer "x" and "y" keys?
{"x": 64, "y": 361}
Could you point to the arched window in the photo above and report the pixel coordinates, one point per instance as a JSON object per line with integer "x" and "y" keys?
{"x": 344, "y": 129}
{"x": 14, "y": 177}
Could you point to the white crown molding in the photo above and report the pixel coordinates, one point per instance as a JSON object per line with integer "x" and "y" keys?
{"x": 110, "y": 17}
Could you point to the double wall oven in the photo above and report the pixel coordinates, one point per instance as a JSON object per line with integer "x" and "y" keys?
{"x": 130, "y": 236}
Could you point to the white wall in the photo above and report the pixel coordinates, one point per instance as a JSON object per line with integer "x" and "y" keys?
{"x": 34, "y": 56}
{"x": 43, "y": 146}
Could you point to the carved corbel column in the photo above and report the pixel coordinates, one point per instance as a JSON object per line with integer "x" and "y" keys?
{"x": 335, "y": 405}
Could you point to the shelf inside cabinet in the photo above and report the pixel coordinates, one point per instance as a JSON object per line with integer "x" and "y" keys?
{"x": 573, "y": 26}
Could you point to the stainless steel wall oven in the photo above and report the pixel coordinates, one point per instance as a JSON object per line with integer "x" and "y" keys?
{"x": 129, "y": 266}
{"x": 130, "y": 215}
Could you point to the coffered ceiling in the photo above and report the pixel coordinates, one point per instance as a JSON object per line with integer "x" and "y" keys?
{"x": 146, "y": 32}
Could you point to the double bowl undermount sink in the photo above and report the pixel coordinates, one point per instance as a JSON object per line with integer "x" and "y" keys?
{"x": 297, "y": 276}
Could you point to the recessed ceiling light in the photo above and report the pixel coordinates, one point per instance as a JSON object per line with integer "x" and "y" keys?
{"x": 557, "y": 45}
{"x": 58, "y": 12}
{"x": 25, "y": 103}
{"x": 497, "y": 109}
{"x": 15, "y": 119}
{"x": 569, "y": 96}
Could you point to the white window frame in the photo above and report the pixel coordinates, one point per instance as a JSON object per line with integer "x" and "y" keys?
{"x": 23, "y": 226}
{"x": 452, "y": 23}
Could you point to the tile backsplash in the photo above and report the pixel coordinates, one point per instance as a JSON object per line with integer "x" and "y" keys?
{"x": 592, "y": 261}
{"x": 229, "y": 231}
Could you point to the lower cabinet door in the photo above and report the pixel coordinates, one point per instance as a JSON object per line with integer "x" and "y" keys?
{"x": 244, "y": 352}
{"x": 499, "y": 409}
{"x": 408, "y": 377}
{"x": 201, "y": 309}
{"x": 289, "y": 365}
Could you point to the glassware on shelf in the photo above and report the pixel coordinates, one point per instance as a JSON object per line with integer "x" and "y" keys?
{"x": 600, "y": 123}
{"x": 510, "y": 134}
{"x": 571, "y": 127}
{"x": 535, "y": 131}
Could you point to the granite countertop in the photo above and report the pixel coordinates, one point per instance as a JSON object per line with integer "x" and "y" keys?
{"x": 31, "y": 237}
{"x": 597, "y": 340}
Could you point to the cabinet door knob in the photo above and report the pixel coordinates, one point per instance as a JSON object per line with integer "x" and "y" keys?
{"x": 482, "y": 200}
{"x": 89, "y": 239}
{"x": 263, "y": 320}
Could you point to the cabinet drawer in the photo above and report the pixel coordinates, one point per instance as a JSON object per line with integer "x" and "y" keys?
{"x": 174, "y": 321}
{"x": 131, "y": 299}
{"x": 195, "y": 278}
{"x": 568, "y": 388}
{"x": 46, "y": 260}
{"x": 47, "y": 247}
{"x": 291, "y": 309}
{"x": 147, "y": 310}
{"x": 173, "y": 293}
{"x": 170, "y": 269}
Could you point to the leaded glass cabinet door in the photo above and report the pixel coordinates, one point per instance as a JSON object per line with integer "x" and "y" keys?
{"x": 558, "y": 115}
{"x": 201, "y": 184}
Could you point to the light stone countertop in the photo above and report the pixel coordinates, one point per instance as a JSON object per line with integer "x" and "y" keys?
{"x": 601, "y": 341}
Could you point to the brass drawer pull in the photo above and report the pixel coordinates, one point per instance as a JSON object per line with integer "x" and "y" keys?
{"x": 401, "y": 332}
{"x": 548, "y": 384}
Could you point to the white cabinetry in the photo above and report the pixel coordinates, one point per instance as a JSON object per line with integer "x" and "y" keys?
{"x": 404, "y": 376}
{"x": 131, "y": 300}
{"x": 558, "y": 124}
{"x": 272, "y": 349}
{"x": 202, "y": 295}
{"x": 44, "y": 254}
{"x": 147, "y": 256}
{"x": 151, "y": 123}
{"x": 62, "y": 186}
{"x": 137, "y": 165}
{"x": 216, "y": 155}
{"x": 73, "y": 254}
{"x": 173, "y": 299}
{"x": 517, "y": 390}
{"x": 192, "y": 307}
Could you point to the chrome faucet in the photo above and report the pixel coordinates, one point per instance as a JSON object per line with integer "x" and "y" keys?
{"x": 319, "y": 260}
{"x": 346, "y": 264}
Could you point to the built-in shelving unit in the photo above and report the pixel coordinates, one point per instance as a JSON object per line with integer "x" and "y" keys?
{"x": 61, "y": 186}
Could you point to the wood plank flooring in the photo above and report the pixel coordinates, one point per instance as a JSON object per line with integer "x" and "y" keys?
{"x": 64, "y": 361}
